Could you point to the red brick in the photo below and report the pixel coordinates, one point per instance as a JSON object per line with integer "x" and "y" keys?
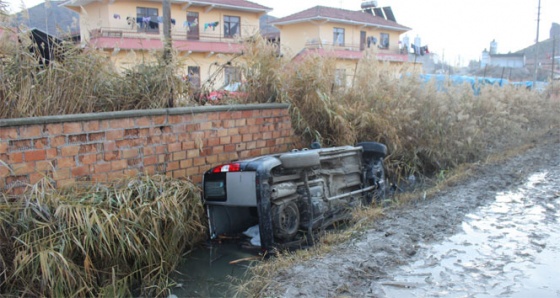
{"x": 235, "y": 139}
{"x": 211, "y": 159}
{"x": 131, "y": 172}
{"x": 188, "y": 145}
{"x": 129, "y": 153}
{"x": 53, "y": 129}
{"x": 114, "y": 134}
{"x": 150, "y": 170}
{"x": 58, "y": 141}
{"x": 23, "y": 168}
{"x": 236, "y": 115}
{"x": 172, "y": 166}
{"x": 3, "y": 147}
{"x": 119, "y": 165}
{"x": 240, "y": 146}
{"x": 112, "y": 176}
{"x": 100, "y": 178}
{"x": 150, "y": 160}
{"x": 109, "y": 146}
{"x": 222, "y": 132}
{"x": 21, "y": 144}
{"x": 40, "y": 143}
{"x": 88, "y": 159}
{"x": 87, "y": 148}
{"x": 91, "y": 125}
{"x": 44, "y": 165}
{"x": 161, "y": 149}
{"x": 199, "y": 161}
{"x": 192, "y": 171}
{"x": 35, "y": 177}
{"x": 179, "y": 174}
{"x": 72, "y": 127}
{"x": 97, "y": 136}
{"x": 102, "y": 168}
{"x": 193, "y": 153}
{"x": 15, "y": 157}
{"x": 7, "y": 133}
{"x": 261, "y": 143}
{"x": 251, "y": 121}
{"x": 228, "y": 123}
{"x": 65, "y": 162}
{"x": 225, "y": 140}
{"x": 205, "y": 125}
{"x": 159, "y": 120}
{"x": 35, "y": 155}
{"x": 240, "y": 122}
{"x": 80, "y": 171}
{"x": 247, "y": 114}
{"x": 31, "y": 131}
{"x": 61, "y": 174}
{"x": 179, "y": 155}
{"x": 247, "y": 137}
{"x": 229, "y": 148}
{"x": 174, "y": 147}
{"x": 143, "y": 121}
{"x": 186, "y": 163}
{"x": 52, "y": 153}
{"x": 217, "y": 149}
{"x": 121, "y": 123}
{"x": 148, "y": 150}
{"x": 70, "y": 150}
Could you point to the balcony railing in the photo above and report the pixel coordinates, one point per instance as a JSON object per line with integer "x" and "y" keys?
{"x": 347, "y": 47}
{"x": 177, "y": 33}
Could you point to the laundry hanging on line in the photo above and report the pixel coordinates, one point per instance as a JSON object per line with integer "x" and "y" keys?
{"x": 211, "y": 25}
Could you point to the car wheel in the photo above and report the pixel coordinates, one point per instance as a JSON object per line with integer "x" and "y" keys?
{"x": 373, "y": 149}
{"x": 285, "y": 220}
{"x": 302, "y": 159}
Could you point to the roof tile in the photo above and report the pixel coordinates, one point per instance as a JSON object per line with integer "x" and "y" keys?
{"x": 338, "y": 15}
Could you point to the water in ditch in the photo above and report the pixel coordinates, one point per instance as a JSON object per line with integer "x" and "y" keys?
{"x": 211, "y": 271}
{"x": 510, "y": 248}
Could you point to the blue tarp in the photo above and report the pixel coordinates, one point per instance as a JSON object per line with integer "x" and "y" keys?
{"x": 475, "y": 82}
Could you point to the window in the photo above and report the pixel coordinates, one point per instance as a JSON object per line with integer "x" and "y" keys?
{"x": 338, "y": 36}
{"x": 147, "y": 19}
{"x": 340, "y": 77}
{"x": 384, "y": 41}
{"x": 231, "y": 26}
{"x": 194, "y": 76}
{"x": 231, "y": 75}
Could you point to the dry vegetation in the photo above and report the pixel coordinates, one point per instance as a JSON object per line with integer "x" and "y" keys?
{"x": 98, "y": 240}
{"x": 110, "y": 240}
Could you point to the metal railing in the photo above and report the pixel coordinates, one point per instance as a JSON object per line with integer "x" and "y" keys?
{"x": 177, "y": 33}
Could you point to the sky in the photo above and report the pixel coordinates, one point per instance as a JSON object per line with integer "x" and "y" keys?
{"x": 456, "y": 30}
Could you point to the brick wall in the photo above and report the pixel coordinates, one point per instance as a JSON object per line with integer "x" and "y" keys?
{"x": 182, "y": 142}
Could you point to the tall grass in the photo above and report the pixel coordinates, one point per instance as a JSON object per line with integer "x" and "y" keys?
{"x": 116, "y": 240}
{"x": 78, "y": 81}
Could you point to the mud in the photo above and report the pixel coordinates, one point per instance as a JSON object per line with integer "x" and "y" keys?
{"x": 495, "y": 234}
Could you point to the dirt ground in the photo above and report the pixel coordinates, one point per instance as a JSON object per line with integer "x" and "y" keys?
{"x": 367, "y": 264}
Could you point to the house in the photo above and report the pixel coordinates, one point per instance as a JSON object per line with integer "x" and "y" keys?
{"x": 207, "y": 34}
{"x": 345, "y": 35}
{"x": 511, "y": 60}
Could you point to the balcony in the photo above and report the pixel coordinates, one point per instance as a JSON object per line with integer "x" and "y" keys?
{"x": 355, "y": 51}
{"x": 203, "y": 40}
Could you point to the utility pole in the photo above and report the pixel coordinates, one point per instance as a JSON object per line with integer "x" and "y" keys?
{"x": 167, "y": 31}
{"x": 537, "y": 46}
{"x": 167, "y": 43}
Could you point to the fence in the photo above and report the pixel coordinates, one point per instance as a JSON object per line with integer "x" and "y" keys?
{"x": 181, "y": 142}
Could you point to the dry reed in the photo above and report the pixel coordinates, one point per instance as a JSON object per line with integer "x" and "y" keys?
{"x": 96, "y": 240}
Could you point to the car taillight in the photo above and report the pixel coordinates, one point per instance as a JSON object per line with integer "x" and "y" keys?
{"x": 232, "y": 167}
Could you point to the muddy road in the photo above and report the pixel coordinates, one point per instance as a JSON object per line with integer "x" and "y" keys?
{"x": 495, "y": 234}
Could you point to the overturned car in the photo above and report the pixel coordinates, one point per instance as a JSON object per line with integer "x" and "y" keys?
{"x": 284, "y": 198}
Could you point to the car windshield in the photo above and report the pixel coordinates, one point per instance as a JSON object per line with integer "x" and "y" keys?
{"x": 232, "y": 87}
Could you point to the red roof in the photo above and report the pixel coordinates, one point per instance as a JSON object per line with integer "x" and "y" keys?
{"x": 350, "y": 55}
{"x": 235, "y": 3}
{"x": 156, "y": 44}
{"x": 231, "y": 4}
{"x": 340, "y": 16}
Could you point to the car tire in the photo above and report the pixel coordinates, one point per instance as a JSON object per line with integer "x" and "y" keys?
{"x": 285, "y": 220}
{"x": 373, "y": 149}
{"x": 302, "y": 159}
